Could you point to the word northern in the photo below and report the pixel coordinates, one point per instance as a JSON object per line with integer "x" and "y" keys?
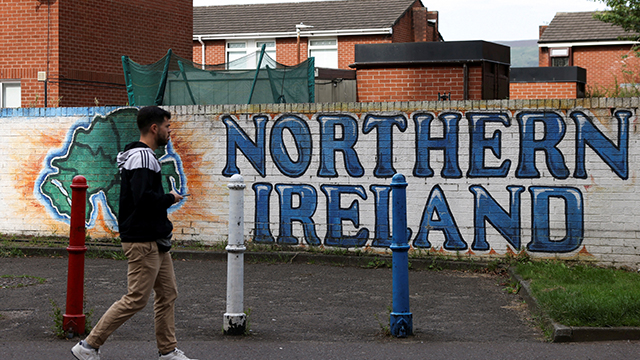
{"x": 340, "y": 133}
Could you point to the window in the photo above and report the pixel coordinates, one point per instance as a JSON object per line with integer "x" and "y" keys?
{"x": 238, "y": 49}
{"x": 325, "y": 51}
{"x": 559, "y": 56}
{"x": 10, "y": 94}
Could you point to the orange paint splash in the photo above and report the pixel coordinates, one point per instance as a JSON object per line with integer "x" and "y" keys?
{"x": 584, "y": 252}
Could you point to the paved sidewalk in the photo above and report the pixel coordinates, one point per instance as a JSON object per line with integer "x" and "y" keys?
{"x": 298, "y": 311}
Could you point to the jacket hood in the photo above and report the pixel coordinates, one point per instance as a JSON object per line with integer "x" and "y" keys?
{"x": 130, "y": 149}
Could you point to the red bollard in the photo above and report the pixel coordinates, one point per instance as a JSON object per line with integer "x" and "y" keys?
{"x": 73, "y": 321}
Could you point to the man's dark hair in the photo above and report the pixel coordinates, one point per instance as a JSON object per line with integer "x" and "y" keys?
{"x": 151, "y": 115}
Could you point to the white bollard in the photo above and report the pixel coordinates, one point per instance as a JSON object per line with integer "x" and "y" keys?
{"x": 235, "y": 320}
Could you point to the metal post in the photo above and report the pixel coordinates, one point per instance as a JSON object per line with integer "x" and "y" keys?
{"x": 235, "y": 320}
{"x": 73, "y": 321}
{"x": 401, "y": 320}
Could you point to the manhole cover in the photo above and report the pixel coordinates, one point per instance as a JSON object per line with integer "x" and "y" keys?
{"x": 16, "y": 281}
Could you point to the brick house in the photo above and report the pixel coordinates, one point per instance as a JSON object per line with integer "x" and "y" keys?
{"x": 68, "y": 53}
{"x": 577, "y": 39}
{"x": 225, "y": 33}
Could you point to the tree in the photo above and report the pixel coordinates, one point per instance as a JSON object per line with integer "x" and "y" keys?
{"x": 624, "y": 13}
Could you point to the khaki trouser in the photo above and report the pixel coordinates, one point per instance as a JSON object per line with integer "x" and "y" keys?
{"x": 149, "y": 270}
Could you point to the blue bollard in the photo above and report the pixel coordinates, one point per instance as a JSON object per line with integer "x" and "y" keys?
{"x": 401, "y": 319}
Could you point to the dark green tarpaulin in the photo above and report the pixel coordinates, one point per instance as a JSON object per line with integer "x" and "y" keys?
{"x": 176, "y": 81}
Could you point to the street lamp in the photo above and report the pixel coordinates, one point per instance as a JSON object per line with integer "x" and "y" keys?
{"x": 298, "y": 27}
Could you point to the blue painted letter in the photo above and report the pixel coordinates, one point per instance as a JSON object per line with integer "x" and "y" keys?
{"x": 337, "y": 214}
{"x": 308, "y": 200}
{"x": 615, "y": 156}
{"x": 384, "y": 157}
{"x": 478, "y": 144}
{"x": 262, "y": 230}
{"x": 302, "y": 139}
{"x": 554, "y": 129}
{"x": 540, "y": 222}
{"x": 238, "y": 139}
{"x": 331, "y": 142}
{"x": 437, "y": 216}
{"x": 486, "y": 208}
{"x": 382, "y": 235}
{"x": 448, "y": 143}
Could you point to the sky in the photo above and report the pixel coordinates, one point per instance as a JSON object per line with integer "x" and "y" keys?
{"x": 491, "y": 20}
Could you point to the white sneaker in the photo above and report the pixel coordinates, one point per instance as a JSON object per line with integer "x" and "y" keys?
{"x": 82, "y": 353}
{"x": 176, "y": 354}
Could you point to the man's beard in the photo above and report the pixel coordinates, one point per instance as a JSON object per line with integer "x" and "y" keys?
{"x": 162, "y": 141}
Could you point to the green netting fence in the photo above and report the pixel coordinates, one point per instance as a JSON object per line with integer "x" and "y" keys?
{"x": 177, "y": 81}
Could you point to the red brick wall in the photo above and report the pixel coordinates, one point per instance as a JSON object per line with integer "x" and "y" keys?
{"x": 543, "y": 90}
{"x": 543, "y": 57}
{"x": 417, "y": 83}
{"x": 214, "y": 52}
{"x": 287, "y": 50}
{"x": 346, "y": 47}
{"x": 95, "y": 35}
{"x": 605, "y": 64}
{"x": 23, "y": 45}
{"x": 87, "y": 40}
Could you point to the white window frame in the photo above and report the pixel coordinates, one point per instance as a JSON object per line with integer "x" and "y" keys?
{"x": 250, "y": 46}
{"x": 3, "y": 86}
{"x": 560, "y": 54}
{"x": 327, "y": 48}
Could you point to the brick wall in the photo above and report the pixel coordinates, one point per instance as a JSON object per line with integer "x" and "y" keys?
{"x": 334, "y": 166}
{"x": 421, "y": 83}
{"x": 87, "y": 40}
{"x": 287, "y": 50}
{"x": 543, "y": 90}
{"x": 606, "y": 65}
{"x": 23, "y": 40}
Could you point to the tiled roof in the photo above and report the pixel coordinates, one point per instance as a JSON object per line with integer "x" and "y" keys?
{"x": 282, "y": 17}
{"x": 580, "y": 26}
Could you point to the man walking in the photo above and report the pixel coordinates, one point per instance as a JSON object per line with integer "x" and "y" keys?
{"x": 145, "y": 232}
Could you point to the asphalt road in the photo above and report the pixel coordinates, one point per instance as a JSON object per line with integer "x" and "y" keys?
{"x": 297, "y": 311}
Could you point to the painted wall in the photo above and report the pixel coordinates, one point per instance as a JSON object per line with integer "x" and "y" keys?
{"x": 555, "y": 178}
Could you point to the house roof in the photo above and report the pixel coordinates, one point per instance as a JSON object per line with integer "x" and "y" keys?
{"x": 281, "y": 18}
{"x": 580, "y": 27}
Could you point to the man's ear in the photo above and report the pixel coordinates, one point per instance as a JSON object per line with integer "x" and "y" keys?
{"x": 153, "y": 128}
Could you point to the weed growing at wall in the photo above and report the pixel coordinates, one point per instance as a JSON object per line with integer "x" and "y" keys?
{"x": 9, "y": 250}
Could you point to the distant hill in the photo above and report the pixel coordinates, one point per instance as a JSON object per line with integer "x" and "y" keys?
{"x": 524, "y": 53}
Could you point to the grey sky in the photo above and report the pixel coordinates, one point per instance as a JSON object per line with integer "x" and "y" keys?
{"x": 491, "y": 20}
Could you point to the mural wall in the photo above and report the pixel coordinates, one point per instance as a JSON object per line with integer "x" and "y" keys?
{"x": 485, "y": 179}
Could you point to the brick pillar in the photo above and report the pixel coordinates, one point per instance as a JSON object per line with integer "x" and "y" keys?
{"x": 419, "y": 24}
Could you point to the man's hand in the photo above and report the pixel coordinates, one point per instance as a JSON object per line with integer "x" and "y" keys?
{"x": 176, "y": 197}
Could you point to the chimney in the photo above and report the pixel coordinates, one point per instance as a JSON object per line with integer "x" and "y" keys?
{"x": 432, "y": 22}
{"x": 541, "y": 30}
{"x": 420, "y": 24}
